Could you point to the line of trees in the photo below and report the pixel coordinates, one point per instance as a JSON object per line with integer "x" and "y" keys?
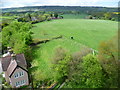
{"x": 37, "y": 17}
{"x": 18, "y": 36}
{"x": 103, "y": 15}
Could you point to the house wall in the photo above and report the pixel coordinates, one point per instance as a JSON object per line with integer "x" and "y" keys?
{"x": 13, "y": 80}
{"x": 6, "y": 77}
{"x": 0, "y": 67}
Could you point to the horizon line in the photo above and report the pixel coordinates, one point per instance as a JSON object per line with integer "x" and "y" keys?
{"x": 59, "y": 5}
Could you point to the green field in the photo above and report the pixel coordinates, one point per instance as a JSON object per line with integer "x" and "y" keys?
{"x": 4, "y": 18}
{"x": 74, "y": 16}
{"x": 85, "y": 32}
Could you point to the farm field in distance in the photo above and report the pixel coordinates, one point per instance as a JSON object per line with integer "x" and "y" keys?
{"x": 74, "y": 16}
{"x": 84, "y": 31}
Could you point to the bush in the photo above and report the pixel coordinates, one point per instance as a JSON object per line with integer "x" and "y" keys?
{"x": 92, "y": 75}
{"x": 60, "y": 64}
{"x": 113, "y": 19}
{"x": 48, "y": 18}
{"x": 108, "y": 57}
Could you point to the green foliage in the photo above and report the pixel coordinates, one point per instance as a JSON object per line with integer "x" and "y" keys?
{"x": 92, "y": 75}
{"x": 7, "y": 14}
{"x": 16, "y": 32}
{"x": 56, "y": 15}
{"x": 7, "y": 85}
{"x": 18, "y": 36}
{"x": 28, "y": 16}
{"x": 108, "y": 56}
{"x": 74, "y": 64}
{"x": 113, "y": 19}
{"x": 87, "y": 74}
{"x": 22, "y": 20}
{"x": 90, "y": 17}
{"x": 60, "y": 64}
{"x": 34, "y": 18}
{"x": 48, "y": 18}
{"x": 108, "y": 16}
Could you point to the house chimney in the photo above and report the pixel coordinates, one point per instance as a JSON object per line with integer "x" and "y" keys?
{"x": 10, "y": 51}
{"x": 8, "y": 47}
{"x": 13, "y": 55}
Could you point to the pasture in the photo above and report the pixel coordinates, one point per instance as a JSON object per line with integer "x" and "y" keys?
{"x": 85, "y": 32}
{"x": 74, "y": 16}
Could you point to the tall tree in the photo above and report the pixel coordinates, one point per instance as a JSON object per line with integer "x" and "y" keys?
{"x": 56, "y": 15}
{"x": 60, "y": 64}
{"x": 108, "y": 56}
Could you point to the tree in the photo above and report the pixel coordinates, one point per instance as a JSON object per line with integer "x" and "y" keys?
{"x": 74, "y": 68}
{"x": 85, "y": 71}
{"x": 56, "y": 15}
{"x": 108, "y": 16}
{"x": 28, "y": 16}
{"x": 108, "y": 57}
{"x": 18, "y": 36}
{"x": 92, "y": 75}
{"x": 48, "y": 18}
{"x": 60, "y": 64}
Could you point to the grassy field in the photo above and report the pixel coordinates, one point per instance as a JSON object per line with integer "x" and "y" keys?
{"x": 3, "y": 18}
{"x": 74, "y": 16}
{"x": 85, "y": 32}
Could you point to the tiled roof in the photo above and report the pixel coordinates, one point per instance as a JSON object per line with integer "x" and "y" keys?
{"x": 5, "y": 62}
{"x": 9, "y": 65}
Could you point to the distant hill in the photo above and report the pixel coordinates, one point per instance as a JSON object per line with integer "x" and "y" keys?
{"x": 83, "y": 9}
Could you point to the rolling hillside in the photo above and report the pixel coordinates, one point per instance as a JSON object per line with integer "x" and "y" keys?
{"x": 84, "y": 32}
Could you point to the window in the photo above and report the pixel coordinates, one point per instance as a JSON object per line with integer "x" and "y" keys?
{"x": 22, "y": 73}
{"x": 19, "y": 74}
{"x": 22, "y": 82}
{"x": 16, "y": 75}
{"x": 17, "y": 84}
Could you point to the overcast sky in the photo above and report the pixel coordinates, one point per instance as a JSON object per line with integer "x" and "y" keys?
{"x": 21, "y": 3}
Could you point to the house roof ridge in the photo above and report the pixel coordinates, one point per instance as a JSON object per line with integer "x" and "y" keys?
{"x": 6, "y": 56}
{"x": 20, "y": 60}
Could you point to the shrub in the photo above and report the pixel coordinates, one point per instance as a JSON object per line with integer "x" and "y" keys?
{"x": 60, "y": 64}
{"x": 113, "y": 19}
{"x": 108, "y": 57}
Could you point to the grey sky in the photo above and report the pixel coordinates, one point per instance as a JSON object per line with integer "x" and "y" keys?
{"x": 21, "y": 3}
